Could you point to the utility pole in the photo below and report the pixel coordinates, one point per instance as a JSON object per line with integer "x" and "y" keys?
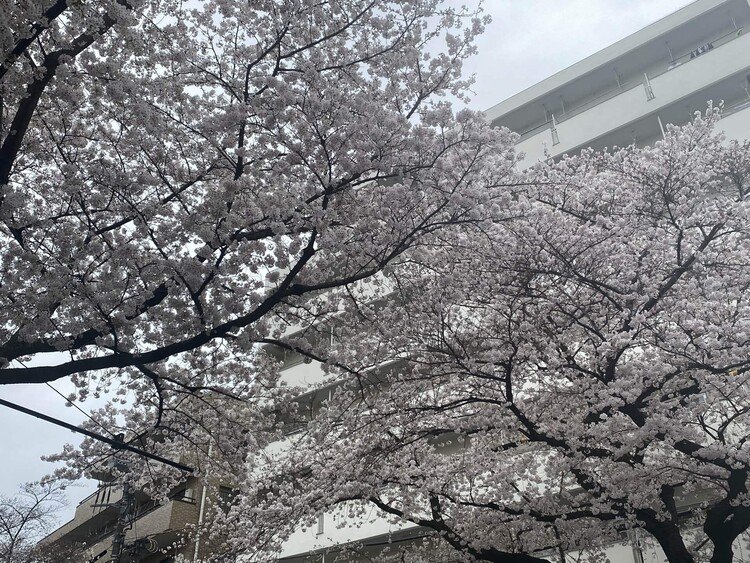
{"x": 127, "y": 503}
{"x": 118, "y": 540}
{"x": 635, "y": 543}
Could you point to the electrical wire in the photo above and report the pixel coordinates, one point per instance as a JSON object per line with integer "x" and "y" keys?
{"x": 87, "y": 415}
{"x": 116, "y": 443}
{"x": 68, "y": 401}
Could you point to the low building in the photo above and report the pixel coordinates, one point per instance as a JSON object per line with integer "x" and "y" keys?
{"x": 154, "y": 532}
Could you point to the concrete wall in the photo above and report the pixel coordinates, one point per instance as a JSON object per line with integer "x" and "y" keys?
{"x": 632, "y": 104}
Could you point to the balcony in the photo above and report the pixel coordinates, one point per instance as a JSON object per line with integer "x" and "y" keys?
{"x": 93, "y": 511}
{"x": 614, "y": 110}
{"x": 307, "y": 375}
{"x": 160, "y": 523}
{"x": 337, "y": 528}
{"x": 735, "y": 122}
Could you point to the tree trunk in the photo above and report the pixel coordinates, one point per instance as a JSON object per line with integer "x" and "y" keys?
{"x": 670, "y": 539}
{"x": 723, "y": 553}
{"x": 727, "y": 519}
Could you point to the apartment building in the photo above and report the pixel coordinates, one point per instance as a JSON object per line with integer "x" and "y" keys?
{"x": 626, "y": 93}
{"x": 630, "y": 91}
{"x": 154, "y": 531}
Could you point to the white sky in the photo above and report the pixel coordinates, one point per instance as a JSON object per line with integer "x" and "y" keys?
{"x": 527, "y": 41}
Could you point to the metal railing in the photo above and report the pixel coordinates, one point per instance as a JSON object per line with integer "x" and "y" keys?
{"x": 142, "y": 510}
{"x": 737, "y": 106}
{"x": 627, "y": 86}
{"x": 698, "y": 52}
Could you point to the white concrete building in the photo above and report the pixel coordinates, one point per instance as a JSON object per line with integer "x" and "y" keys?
{"x": 626, "y": 93}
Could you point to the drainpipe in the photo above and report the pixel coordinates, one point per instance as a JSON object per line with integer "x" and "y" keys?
{"x": 553, "y": 129}
{"x": 647, "y": 86}
{"x": 201, "y": 512}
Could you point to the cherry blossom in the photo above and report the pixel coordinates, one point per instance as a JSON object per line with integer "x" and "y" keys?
{"x": 555, "y": 379}
{"x": 178, "y": 180}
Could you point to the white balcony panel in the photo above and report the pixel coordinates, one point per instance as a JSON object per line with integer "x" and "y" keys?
{"x": 535, "y": 148}
{"x": 604, "y": 58}
{"x": 736, "y": 125}
{"x": 304, "y": 375}
{"x": 631, "y": 105}
{"x": 339, "y": 529}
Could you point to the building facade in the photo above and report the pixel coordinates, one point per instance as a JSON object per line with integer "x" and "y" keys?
{"x": 154, "y": 532}
{"x": 630, "y": 91}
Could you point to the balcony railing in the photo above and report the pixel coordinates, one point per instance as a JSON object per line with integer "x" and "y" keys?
{"x": 635, "y": 83}
{"x": 738, "y": 106}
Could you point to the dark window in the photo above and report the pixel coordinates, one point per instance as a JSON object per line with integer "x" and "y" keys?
{"x": 227, "y": 497}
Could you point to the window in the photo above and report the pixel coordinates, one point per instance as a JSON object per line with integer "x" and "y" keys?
{"x": 292, "y": 358}
{"x": 185, "y": 495}
{"x": 288, "y": 358}
{"x": 227, "y": 497}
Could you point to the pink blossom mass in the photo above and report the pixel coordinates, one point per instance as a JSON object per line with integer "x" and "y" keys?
{"x": 518, "y": 363}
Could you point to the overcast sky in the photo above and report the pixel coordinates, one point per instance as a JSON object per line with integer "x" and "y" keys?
{"x": 527, "y": 41}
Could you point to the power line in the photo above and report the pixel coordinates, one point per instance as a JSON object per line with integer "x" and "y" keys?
{"x": 67, "y": 400}
{"x": 117, "y": 444}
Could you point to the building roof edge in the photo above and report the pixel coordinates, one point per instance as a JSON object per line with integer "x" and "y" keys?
{"x": 601, "y": 57}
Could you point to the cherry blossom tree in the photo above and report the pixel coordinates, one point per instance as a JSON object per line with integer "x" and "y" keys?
{"x": 26, "y": 517}
{"x": 178, "y": 179}
{"x": 572, "y": 371}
